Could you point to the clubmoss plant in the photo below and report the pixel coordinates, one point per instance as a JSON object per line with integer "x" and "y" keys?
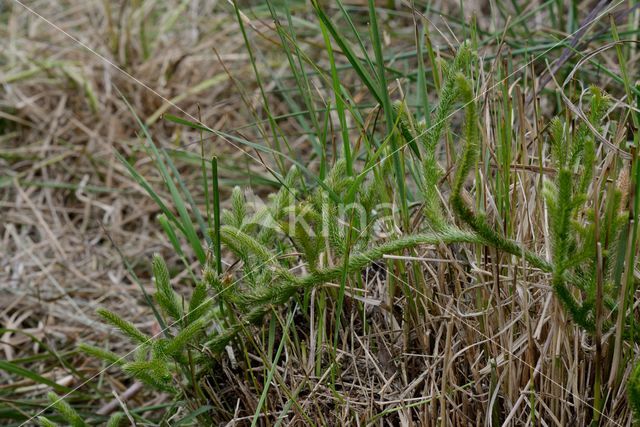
{"x": 302, "y": 226}
{"x": 159, "y": 359}
{"x": 71, "y": 417}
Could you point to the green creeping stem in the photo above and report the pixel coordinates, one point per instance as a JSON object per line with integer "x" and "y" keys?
{"x": 265, "y": 298}
{"x": 448, "y": 95}
{"x": 361, "y": 260}
{"x": 270, "y": 296}
{"x": 469, "y": 155}
{"x": 480, "y": 225}
{"x": 284, "y": 285}
{"x": 431, "y": 173}
{"x": 262, "y": 299}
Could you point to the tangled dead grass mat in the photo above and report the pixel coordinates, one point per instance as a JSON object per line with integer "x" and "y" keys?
{"x": 71, "y": 213}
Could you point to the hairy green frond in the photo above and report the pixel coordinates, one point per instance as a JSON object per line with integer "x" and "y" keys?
{"x": 65, "y": 410}
{"x": 222, "y": 339}
{"x": 101, "y": 353}
{"x": 560, "y": 218}
{"x": 165, "y": 295}
{"x": 45, "y": 422}
{"x": 598, "y": 107}
{"x": 448, "y": 95}
{"x": 152, "y": 372}
{"x": 211, "y": 278}
{"x": 573, "y": 307}
{"x": 600, "y": 102}
{"x": 405, "y": 124}
{"x": 335, "y": 236}
{"x": 142, "y": 352}
{"x": 186, "y": 336}
{"x": 238, "y": 208}
{"x": 124, "y": 326}
{"x": 305, "y": 232}
{"x": 285, "y": 196}
{"x": 559, "y": 145}
{"x": 240, "y": 242}
{"x": 199, "y": 303}
{"x": 115, "y": 420}
{"x": 470, "y": 153}
{"x": 433, "y": 206}
{"x": 338, "y": 179}
{"x": 453, "y": 83}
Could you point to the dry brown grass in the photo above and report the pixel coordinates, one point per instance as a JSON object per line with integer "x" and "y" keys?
{"x": 69, "y": 212}
{"x": 66, "y": 202}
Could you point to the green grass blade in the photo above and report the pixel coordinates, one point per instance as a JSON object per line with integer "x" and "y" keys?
{"x": 272, "y": 369}
{"x": 187, "y": 225}
{"x": 216, "y": 214}
{"x": 355, "y": 62}
{"x": 337, "y": 90}
{"x": 33, "y": 376}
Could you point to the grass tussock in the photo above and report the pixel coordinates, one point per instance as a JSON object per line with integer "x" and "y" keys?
{"x": 408, "y": 215}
